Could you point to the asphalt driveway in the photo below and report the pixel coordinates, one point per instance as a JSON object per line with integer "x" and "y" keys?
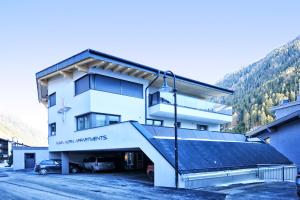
{"x": 28, "y": 185}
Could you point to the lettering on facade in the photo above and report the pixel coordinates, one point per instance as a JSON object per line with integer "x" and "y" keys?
{"x": 86, "y": 139}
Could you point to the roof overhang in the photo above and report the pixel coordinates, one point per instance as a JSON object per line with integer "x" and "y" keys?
{"x": 91, "y": 58}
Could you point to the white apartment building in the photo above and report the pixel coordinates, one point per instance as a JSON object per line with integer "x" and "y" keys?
{"x": 101, "y": 104}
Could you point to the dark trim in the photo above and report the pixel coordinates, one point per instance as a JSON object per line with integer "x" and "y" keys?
{"x": 89, "y": 53}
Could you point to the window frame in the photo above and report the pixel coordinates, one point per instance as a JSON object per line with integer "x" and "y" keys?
{"x": 90, "y": 114}
{"x": 92, "y": 85}
{"x": 49, "y": 100}
{"x": 50, "y": 129}
{"x": 89, "y": 88}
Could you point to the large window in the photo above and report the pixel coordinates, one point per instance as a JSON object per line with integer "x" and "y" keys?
{"x": 52, "y": 100}
{"x": 108, "y": 84}
{"x": 93, "y": 120}
{"x": 82, "y": 84}
{"x": 132, "y": 89}
{"x": 52, "y": 129}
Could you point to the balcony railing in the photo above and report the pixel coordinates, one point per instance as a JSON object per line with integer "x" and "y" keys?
{"x": 189, "y": 102}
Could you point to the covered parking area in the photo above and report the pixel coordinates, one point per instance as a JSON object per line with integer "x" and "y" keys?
{"x": 205, "y": 158}
{"x": 106, "y": 161}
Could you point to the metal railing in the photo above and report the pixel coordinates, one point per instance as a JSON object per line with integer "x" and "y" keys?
{"x": 276, "y": 172}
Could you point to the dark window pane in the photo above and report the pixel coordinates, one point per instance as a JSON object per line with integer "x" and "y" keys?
{"x": 132, "y": 89}
{"x": 83, "y": 122}
{"x": 98, "y": 120}
{"x": 52, "y": 129}
{"x": 113, "y": 119}
{"x": 107, "y": 84}
{"x": 52, "y": 100}
{"x": 202, "y": 127}
{"x": 82, "y": 85}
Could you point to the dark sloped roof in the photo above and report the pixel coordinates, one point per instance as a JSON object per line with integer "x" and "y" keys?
{"x": 279, "y": 122}
{"x": 204, "y": 156}
{"x": 198, "y": 155}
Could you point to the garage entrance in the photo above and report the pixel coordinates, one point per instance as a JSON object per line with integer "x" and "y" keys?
{"x": 29, "y": 159}
{"x": 131, "y": 163}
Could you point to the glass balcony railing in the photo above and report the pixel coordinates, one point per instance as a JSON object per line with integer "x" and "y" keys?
{"x": 189, "y": 102}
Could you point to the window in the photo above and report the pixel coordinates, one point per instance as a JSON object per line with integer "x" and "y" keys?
{"x": 93, "y": 120}
{"x": 82, "y": 84}
{"x": 98, "y": 120}
{"x": 202, "y": 127}
{"x": 154, "y": 99}
{"x": 52, "y": 129}
{"x": 108, "y": 84}
{"x": 154, "y": 122}
{"x": 83, "y": 122}
{"x": 52, "y": 100}
{"x": 132, "y": 89}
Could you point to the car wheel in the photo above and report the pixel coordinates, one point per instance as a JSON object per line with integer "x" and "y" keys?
{"x": 43, "y": 171}
{"x": 74, "y": 170}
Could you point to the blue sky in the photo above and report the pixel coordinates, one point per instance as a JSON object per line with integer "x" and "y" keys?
{"x": 202, "y": 40}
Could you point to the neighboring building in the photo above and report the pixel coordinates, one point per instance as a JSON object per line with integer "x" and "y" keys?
{"x": 101, "y": 104}
{"x": 284, "y": 132}
{"x": 4, "y": 149}
{"x": 26, "y": 157}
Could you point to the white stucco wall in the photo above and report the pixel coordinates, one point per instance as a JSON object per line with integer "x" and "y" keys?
{"x": 19, "y": 157}
{"x": 119, "y": 136}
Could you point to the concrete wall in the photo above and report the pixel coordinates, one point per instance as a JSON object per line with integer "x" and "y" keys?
{"x": 286, "y": 139}
{"x": 19, "y": 156}
{"x": 121, "y": 136}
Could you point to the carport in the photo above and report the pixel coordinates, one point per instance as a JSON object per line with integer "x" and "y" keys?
{"x": 202, "y": 154}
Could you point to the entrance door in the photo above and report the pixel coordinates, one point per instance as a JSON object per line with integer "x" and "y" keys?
{"x": 29, "y": 159}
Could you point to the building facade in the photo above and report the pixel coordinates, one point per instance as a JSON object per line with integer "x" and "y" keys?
{"x": 99, "y": 104}
{"x": 284, "y": 132}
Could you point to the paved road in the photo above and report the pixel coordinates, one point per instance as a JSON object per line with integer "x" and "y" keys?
{"x": 20, "y": 185}
{"x": 27, "y": 185}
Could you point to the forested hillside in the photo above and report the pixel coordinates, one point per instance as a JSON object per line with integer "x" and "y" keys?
{"x": 262, "y": 85}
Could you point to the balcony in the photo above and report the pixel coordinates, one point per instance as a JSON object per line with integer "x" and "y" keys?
{"x": 189, "y": 108}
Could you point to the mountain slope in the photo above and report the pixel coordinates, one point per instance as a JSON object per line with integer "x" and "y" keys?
{"x": 262, "y": 85}
{"x": 11, "y": 127}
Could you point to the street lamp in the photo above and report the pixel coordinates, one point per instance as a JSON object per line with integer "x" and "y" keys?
{"x": 165, "y": 88}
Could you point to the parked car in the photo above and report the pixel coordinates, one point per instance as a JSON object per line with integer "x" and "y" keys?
{"x": 150, "y": 171}
{"x": 298, "y": 184}
{"x": 54, "y": 166}
{"x": 99, "y": 164}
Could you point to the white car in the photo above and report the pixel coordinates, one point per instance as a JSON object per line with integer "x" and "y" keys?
{"x": 99, "y": 164}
